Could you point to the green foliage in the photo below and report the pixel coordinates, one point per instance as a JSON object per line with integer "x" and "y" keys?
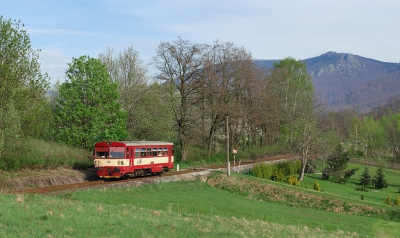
{"x": 278, "y": 176}
{"x": 397, "y": 201}
{"x": 88, "y": 109}
{"x": 391, "y": 125}
{"x": 10, "y": 130}
{"x": 379, "y": 179}
{"x": 39, "y": 154}
{"x": 22, "y": 90}
{"x": 280, "y": 172}
{"x": 264, "y": 170}
{"x": 293, "y": 180}
{"x": 344, "y": 175}
{"x": 316, "y": 186}
{"x": 337, "y": 164}
{"x": 365, "y": 178}
{"x": 373, "y": 135}
{"x": 388, "y": 200}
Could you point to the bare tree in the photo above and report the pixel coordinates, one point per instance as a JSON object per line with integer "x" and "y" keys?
{"x": 180, "y": 64}
{"x": 231, "y": 82}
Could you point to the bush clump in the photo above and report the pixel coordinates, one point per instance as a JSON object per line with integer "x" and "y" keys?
{"x": 280, "y": 172}
{"x": 317, "y": 186}
{"x": 388, "y": 200}
{"x": 397, "y": 201}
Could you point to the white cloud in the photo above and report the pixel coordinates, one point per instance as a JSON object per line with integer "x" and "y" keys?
{"x": 55, "y": 63}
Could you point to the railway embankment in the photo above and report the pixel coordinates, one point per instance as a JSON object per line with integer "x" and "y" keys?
{"x": 29, "y": 180}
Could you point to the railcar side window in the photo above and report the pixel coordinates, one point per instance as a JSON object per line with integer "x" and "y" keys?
{"x": 143, "y": 152}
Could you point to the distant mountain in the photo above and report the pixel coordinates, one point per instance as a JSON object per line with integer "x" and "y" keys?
{"x": 351, "y": 81}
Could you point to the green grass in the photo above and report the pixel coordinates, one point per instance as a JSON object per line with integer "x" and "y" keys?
{"x": 39, "y": 154}
{"x": 238, "y": 206}
{"x": 184, "y": 209}
{"x": 348, "y": 190}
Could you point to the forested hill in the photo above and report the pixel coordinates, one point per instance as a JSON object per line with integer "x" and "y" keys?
{"x": 350, "y": 81}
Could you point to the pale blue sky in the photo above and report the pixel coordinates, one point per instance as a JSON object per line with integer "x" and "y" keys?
{"x": 63, "y": 29}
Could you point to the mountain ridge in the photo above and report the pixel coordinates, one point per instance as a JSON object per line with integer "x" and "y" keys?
{"x": 351, "y": 81}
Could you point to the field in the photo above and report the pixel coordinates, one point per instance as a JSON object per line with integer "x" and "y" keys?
{"x": 236, "y": 206}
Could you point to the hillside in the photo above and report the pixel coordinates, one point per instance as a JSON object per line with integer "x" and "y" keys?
{"x": 350, "y": 81}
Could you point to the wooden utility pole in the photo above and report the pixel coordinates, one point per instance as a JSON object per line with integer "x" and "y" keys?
{"x": 227, "y": 146}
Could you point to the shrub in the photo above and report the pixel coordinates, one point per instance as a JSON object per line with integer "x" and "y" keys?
{"x": 388, "y": 200}
{"x": 267, "y": 170}
{"x": 293, "y": 180}
{"x": 277, "y": 172}
{"x": 317, "y": 186}
{"x": 278, "y": 176}
{"x": 362, "y": 188}
{"x": 257, "y": 171}
{"x": 397, "y": 201}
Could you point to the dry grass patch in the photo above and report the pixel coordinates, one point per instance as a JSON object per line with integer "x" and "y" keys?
{"x": 267, "y": 192}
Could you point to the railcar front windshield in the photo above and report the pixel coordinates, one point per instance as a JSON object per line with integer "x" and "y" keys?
{"x": 101, "y": 152}
{"x": 117, "y": 152}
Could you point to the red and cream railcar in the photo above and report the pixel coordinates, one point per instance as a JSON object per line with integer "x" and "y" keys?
{"x": 117, "y": 159}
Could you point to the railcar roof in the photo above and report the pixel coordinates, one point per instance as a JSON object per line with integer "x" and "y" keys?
{"x": 143, "y": 143}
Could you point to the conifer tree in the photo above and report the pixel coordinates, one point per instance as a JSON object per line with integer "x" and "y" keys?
{"x": 365, "y": 178}
{"x": 379, "y": 179}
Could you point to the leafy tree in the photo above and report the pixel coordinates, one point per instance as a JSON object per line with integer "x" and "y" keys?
{"x": 373, "y": 135}
{"x": 379, "y": 179}
{"x": 22, "y": 88}
{"x": 296, "y": 93}
{"x": 88, "y": 109}
{"x": 391, "y": 125}
{"x": 299, "y": 126}
{"x": 365, "y": 178}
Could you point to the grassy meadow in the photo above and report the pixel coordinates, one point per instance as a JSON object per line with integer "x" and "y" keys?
{"x": 236, "y": 206}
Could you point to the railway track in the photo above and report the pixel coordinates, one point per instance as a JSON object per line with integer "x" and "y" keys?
{"x": 66, "y": 188}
